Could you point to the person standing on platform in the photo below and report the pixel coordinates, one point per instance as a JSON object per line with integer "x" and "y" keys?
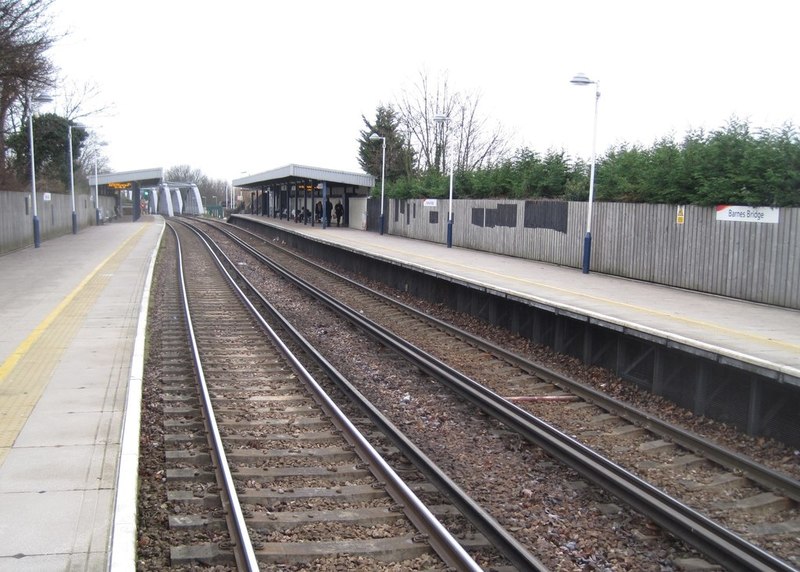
{"x": 328, "y": 211}
{"x": 339, "y": 211}
{"x": 318, "y": 211}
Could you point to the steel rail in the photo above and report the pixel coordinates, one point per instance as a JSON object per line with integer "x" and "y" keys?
{"x": 695, "y": 529}
{"x": 440, "y": 539}
{"x": 483, "y": 521}
{"x": 243, "y": 546}
{"x": 758, "y": 473}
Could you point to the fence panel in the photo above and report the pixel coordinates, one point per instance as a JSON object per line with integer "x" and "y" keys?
{"x": 748, "y": 260}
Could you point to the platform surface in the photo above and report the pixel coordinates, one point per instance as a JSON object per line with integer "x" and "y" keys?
{"x": 70, "y": 314}
{"x": 758, "y": 334}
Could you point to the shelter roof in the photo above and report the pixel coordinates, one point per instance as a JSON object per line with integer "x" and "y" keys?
{"x": 296, "y": 173}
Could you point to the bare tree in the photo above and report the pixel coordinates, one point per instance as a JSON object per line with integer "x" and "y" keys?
{"x": 24, "y": 38}
{"x": 417, "y": 110}
{"x": 184, "y": 174}
{"x": 92, "y": 156}
{"x": 76, "y": 99}
{"x": 208, "y": 187}
{"x": 464, "y": 140}
{"x": 477, "y": 145}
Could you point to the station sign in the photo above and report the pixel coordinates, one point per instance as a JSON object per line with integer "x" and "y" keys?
{"x": 748, "y": 214}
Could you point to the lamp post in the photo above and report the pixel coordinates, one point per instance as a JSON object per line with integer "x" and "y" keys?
{"x": 96, "y": 197}
{"x": 581, "y": 79}
{"x": 444, "y": 120}
{"x": 72, "y": 176}
{"x": 375, "y": 137}
{"x": 41, "y": 98}
{"x": 96, "y": 192}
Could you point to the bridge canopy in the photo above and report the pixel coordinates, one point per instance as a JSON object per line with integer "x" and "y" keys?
{"x": 142, "y": 177}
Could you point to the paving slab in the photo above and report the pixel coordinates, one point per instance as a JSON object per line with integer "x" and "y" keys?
{"x": 72, "y": 315}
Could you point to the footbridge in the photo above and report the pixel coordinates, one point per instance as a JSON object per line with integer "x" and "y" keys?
{"x": 146, "y": 191}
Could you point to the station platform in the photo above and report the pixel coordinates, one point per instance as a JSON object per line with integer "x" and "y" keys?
{"x": 767, "y": 337}
{"x": 71, "y": 350}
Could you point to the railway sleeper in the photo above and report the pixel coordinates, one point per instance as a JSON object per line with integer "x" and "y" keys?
{"x": 321, "y": 455}
{"x": 266, "y": 497}
{"x": 259, "y": 423}
{"x": 384, "y": 549}
{"x": 657, "y": 447}
{"x": 270, "y": 521}
{"x": 723, "y": 482}
{"x": 679, "y": 462}
{"x": 333, "y": 472}
{"x": 763, "y": 503}
{"x": 627, "y": 432}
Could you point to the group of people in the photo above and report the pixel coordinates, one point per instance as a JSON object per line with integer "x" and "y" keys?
{"x": 304, "y": 215}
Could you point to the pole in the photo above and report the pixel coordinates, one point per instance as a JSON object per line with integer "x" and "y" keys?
{"x": 96, "y": 197}
{"x": 383, "y": 177}
{"x": 72, "y": 181}
{"x": 450, "y": 212}
{"x": 443, "y": 120}
{"x": 587, "y": 241}
{"x": 37, "y": 237}
{"x": 325, "y": 222}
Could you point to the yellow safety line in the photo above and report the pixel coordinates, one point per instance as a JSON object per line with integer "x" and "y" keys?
{"x": 26, "y": 372}
{"x": 659, "y": 313}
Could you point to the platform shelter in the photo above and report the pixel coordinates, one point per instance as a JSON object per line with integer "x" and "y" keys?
{"x": 294, "y": 190}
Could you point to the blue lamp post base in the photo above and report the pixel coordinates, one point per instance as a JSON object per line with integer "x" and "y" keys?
{"x": 37, "y": 235}
{"x": 450, "y": 233}
{"x": 587, "y": 252}
{"x": 74, "y": 222}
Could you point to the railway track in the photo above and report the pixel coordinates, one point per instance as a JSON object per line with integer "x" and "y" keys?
{"x": 262, "y": 467}
{"x": 665, "y": 451}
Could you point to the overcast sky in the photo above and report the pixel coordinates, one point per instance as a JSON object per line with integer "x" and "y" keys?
{"x": 239, "y": 87}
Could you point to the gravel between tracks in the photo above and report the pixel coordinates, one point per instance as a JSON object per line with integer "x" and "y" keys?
{"x": 568, "y": 525}
{"x": 534, "y": 497}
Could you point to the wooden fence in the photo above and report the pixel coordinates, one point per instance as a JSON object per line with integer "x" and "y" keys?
{"x": 687, "y": 247}
{"x": 55, "y": 216}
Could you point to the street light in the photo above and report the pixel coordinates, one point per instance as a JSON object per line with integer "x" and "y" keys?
{"x": 443, "y": 119}
{"x": 72, "y": 176}
{"x": 375, "y": 137}
{"x": 96, "y": 185}
{"x": 41, "y": 98}
{"x": 581, "y": 79}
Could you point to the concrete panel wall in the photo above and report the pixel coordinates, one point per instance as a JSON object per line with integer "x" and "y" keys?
{"x": 55, "y": 216}
{"x": 752, "y": 261}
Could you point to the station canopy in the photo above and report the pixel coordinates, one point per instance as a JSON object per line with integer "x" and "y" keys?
{"x": 129, "y": 179}
{"x": 295, "y": 174}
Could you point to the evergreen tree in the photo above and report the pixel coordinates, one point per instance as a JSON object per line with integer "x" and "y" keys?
{"x": 399, "y": 155}
{"x": 51, "y": 146}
